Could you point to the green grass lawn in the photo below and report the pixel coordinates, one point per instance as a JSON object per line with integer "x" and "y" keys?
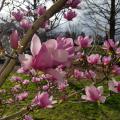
{"x": 73, "y": 108}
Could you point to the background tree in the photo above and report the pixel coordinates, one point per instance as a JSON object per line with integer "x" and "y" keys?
{"x": 104, "y": 15}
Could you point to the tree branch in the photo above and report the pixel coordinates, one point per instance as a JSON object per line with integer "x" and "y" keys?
{"x": 27, "y": 37}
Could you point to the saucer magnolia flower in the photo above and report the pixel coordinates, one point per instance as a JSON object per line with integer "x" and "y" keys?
{"x": 94, "y": 94}
{"x": 49, "y": 56}
{"x": 89, "y": 74}
{"x": 66, "y": 44}
{"x": 36, "y": 79}
{"x": 14, "y": 38}
{"x": 78, "y": 74}
{"x": 28, "y": 117}
{"x": 43, "y": 56}
{"x": 110, "y": 45}
{"x": 25, "y": 82}
{"x": 114, "y": 86}
{"x": 69, "y": 15}
{"x": 43, "y": 100}
{"x": 25, "y": 24}
{"x": 73, "y": 3}
{"x": 40, "y": 10}
{"x": 22, "y": 70}
{"x": 58, "y": 76}
{"x": 94, "y": 59}
{"x": 116, "y": 70}
{"x": 106, "y": 60}
{"x": 18, "y": 16}
{"x": 84, "y": 42}
{"x": 22, "y": 96}
{"x": 118, "y": 51}
{"x": 63, "y": 85}
{"x": 25, "y": 59}
{"x": 16, "y": 79}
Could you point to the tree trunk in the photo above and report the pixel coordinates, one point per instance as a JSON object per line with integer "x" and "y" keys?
{"x": 112, "y": 20}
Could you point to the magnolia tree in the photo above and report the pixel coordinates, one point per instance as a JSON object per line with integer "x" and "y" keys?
{"x": 52, "y": 64}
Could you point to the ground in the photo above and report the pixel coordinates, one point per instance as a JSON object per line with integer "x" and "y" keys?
{"x": 74, "y": 108}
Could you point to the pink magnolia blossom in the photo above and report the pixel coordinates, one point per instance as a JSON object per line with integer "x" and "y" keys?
{"x": 16, "y": 79}
{"x": 73, "y": 3}
{"x": 22, "y": 70}
{"x": 36, "y": 79}
{"x": 49, "y": 56}
{"x": 18, "y": 16}
{"x": 44, "y": 56}
{"x": 28, "y": 117}
{"x": 79, "y": 74}
{"x": 25, "y": 59}
{"x": 25, "y": 24}
{"x": 43, "y": 100}
{"x": 14, "y": 38}
{"x": 114, "y": 86}
{"x": 94, "y": 59}
{"x": 94, "y": 94}
{"x": 66, "y": 44}
{"x": 45, "y": 87}
{"x": 84, "y": 42}
{"x": 62, "y": 85}
{"x": 118, "y": 51}
{"x": 40, "y": 10}
{"x": 106, "y": 60}
{"x": 69, "y": 15}
{"x": 43, "y": 60}
{"x": 110, "y": 45}
{"x": 89, "y": 74}
{"x": 57, "y": 75}
{"x": 21, "y": 96}
{"x": 116, "y": 70}
{"x": 25, "y": 82}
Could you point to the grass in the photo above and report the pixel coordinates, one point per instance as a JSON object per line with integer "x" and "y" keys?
{"x": 73, "y": 109}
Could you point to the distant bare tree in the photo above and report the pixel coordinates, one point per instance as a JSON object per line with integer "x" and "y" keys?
{"x": 105, "y": 15}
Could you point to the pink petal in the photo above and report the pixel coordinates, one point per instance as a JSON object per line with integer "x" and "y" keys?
{"x": 25, "y": 60}
{"x": 51, "y": 44}
{"x": 60, "y": 55}
{"x": 35, "y": 45}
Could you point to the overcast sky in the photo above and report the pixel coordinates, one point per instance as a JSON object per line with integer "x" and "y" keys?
{"x": 77, "y": 22}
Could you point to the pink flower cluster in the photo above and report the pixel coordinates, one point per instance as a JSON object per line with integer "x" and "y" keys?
{"x": 88, "y": 74}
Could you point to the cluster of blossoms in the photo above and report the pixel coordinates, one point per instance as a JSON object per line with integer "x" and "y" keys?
{"x": 53, "y": 56}
{"x": 52, "y": 63}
